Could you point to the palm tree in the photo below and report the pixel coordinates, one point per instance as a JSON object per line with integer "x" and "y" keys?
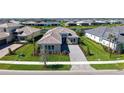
{"x": 33, "y": 44}
{"x": 112, "y": 39}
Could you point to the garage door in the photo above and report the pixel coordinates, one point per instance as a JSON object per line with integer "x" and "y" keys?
{"x": 2, "y": 41}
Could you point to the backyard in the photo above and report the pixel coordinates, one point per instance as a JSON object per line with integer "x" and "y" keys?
{"x": 98, "y": 53}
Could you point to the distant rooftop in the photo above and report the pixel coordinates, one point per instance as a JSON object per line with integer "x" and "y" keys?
{"x": 6, "y": 25}
{"x": 25, "y": 31}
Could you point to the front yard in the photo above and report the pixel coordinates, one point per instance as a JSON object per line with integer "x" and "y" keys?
{"x": 27, "y": 50}
{"x": 98, "y": 53}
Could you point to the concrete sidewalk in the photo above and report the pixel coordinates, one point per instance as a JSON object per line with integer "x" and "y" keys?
{"x": 5, "y": 51}
{"x": 39, "y": 72}
{"x": 76, "y": 54}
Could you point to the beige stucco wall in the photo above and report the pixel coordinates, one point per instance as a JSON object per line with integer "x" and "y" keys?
{"x": 57, "y": 48}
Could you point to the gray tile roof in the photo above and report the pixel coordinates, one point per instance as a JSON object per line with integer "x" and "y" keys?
{"x": 97, "y": 31}
{"x": 53, "y": 36}
{"x": 104, "y": 32}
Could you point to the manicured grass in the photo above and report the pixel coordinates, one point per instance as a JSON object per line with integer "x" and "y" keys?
{"x": 118, "y": 66}
{"x": 59, "y": 57}
{"x": 34, "y": 67}
{"x": 97, "y": 52}
{"x": 27, "y": 50}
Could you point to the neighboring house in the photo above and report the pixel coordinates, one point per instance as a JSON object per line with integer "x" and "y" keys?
{"x": 33, "y": 23}
{"x": 15, "y": 21}
{"x": 29, "y": 23}
{"x": 10, "y": 28}
{"x": 70, "y": 23}
{"x": 4, "y": 37}
{"x": 92, "y": 22}
{"x": 102, "y": 35}
{"x": 48, "y": 24}
{"x": 27, "y": 33}
{"x": 99, "y": 22}
{"x": 114, "y": 22}
{"x": 84, "y": 23}
{"x": 55, "y": 39}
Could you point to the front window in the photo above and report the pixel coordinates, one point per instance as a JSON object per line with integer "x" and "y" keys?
{"x": 74, "y": 40}
{"x": 49, "y": 47}
{"x": 52, "y": 47}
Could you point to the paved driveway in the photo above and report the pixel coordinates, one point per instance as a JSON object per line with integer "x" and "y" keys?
{"x": 4, "y": 51}
{"x": 76, "y": 54}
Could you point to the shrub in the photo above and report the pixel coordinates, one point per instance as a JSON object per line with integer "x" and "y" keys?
{"x": 11, "y": 52}
{"x": 65, "y": 52}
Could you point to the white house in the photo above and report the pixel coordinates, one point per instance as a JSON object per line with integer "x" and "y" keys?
{"x": 70, "y": 23}
{"x": 102, "y": 35}
{"x": 4, "y": 37}
{"x": 84, "y": 22}
{"x": 10, "y": 28}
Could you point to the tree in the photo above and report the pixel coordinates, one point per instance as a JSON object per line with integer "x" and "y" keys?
{"x": 44, "y": 56}
{"x": 112, "y": 39}
{"x": 33, "y": 43}
{"x": 11, "y": 52}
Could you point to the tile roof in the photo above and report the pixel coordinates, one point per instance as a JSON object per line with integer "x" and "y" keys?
{"x": 25, "y": 31}
{"x": 6, "y": 25}
{"x": 104, "y": 32}
{"x": 53, "y": 36}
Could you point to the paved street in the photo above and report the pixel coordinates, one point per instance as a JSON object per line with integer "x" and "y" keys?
{"x": 76, "y": 54}
{"x": 4, "y": 51}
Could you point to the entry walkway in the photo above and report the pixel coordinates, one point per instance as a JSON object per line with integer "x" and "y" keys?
{"x": 5, "y": 51}
{"x": 76, "y": 54}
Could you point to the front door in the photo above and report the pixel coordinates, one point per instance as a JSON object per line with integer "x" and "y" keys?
{"x": 64, "y": 40}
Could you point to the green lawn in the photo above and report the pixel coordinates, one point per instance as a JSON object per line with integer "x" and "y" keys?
{"x": 34, "y": 67}
{"x": 99, "y": 53}
{"x": 27, "y": 50}
{"x": 118, "y": 66}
